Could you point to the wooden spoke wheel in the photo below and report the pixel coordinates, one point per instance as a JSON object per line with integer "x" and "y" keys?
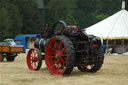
{"x": 34, "y": 59}
{"x": 60, "y": 55}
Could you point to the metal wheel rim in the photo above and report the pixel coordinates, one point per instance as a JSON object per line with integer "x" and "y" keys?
{"x": 56, "y": 56}
{"x": 32, "y": 59}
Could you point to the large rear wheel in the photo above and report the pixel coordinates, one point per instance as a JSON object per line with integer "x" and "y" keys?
{"x": 89, "y": 68}
{"x": 60, "y": 55}
{"x": 34, "y": 59}
{"x": 98, "y": 53}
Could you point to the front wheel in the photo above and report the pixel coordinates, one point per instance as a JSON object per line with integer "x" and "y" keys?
{"x": 34, "y": 59}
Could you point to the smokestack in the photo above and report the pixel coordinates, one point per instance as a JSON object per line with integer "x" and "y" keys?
{"x": 41, "y": 16}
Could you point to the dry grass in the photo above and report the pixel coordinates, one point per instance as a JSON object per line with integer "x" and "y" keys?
{"x": 113, "y": 72}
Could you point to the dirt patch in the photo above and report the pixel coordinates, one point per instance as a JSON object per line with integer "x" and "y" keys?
{"x": 113, "y": 72}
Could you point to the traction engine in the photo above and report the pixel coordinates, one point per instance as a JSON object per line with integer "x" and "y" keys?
{"x": 64, "y": 47}
{"x": 62, "y": 50}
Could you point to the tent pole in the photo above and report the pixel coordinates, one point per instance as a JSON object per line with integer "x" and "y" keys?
{"x": 114, "y": 46}
{"x": 123, "y": 43}
{"x": 107, "y": 43}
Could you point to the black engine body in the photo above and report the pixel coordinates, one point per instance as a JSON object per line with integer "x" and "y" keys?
{"x": 86, "y": 46}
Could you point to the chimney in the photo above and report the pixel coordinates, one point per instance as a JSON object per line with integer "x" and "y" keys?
{"x": 41, "y": 16}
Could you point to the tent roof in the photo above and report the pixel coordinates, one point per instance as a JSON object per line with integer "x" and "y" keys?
{"x": 113, "y": 27}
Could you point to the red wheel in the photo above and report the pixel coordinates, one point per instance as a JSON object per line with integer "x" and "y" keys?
{"x": 60, "y": 55}
{"x": 34, "y": 59}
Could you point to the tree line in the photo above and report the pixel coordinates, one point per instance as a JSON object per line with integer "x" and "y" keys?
{"x": 22, "y": 16}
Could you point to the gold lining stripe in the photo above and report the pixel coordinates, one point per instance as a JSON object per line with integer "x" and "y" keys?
{"x": 113, "y": 38}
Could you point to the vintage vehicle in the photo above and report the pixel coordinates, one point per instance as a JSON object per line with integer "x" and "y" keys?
{"x": 9, "y": 51}
{"x": 64, "y": 47}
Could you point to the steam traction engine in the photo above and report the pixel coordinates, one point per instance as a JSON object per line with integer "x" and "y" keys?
{"x": 65, "y": 47}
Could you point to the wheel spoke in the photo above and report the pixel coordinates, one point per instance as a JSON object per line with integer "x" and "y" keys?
{"x": 54, "y": 60}
{"x": 35, "y": 65}
{"x": 31, "y": 63}
{"x": 55, "y": 45}
{"x": 64, "y": 58}
{"x": 60, "y": 45}
{"x": 62, "y": 65}
{"x": 55, "y": 63}
{"x": 64, "y": 61}
{"x": 58, "y": 67}
{"x": 63, "y": 50}
{"x": 53, "y": 52}
{"x": 53, "y": 49}
{"x": 32, "y": 55}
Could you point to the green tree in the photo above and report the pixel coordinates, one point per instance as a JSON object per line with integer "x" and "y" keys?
{"x": 10, "y": 19}
{"x": 60, "y": 10}
{"x": 16, "y": 19}
{"x": 5, "y": 23}
{"x": 84, "y": 14}
{"x": 22, "y": 16}
{"x": 30, "y": 19}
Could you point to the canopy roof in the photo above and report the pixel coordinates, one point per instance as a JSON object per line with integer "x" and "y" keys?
{"x": 113, "y": 27}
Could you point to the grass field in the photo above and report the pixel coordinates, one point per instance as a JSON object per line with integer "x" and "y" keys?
{"x": 113, "y": 72}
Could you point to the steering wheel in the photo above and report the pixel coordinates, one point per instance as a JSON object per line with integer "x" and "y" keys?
{"x": 60, "y": 22}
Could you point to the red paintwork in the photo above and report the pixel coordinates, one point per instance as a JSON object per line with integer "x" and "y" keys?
{"x": 95, "y": 45}
{"x": 32, "y": 59}
{"x": 56, "y": 56}
{"x": 71, "y": 28}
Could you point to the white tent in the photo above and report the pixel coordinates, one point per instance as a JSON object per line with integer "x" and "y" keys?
{"x": 113, "y": 27}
